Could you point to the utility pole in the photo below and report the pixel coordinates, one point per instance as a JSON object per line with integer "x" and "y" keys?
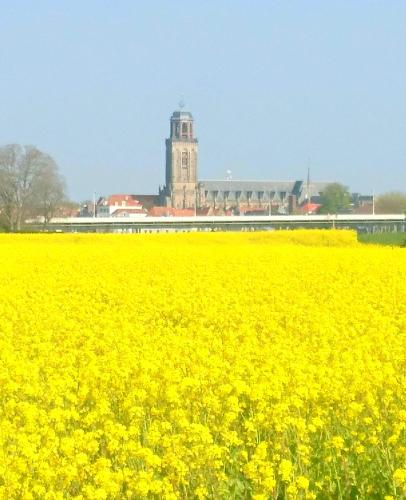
{"x": 373, "y": 202}
{"x": 308, "y": 189}
{"x": 94, "y": 204}
{"x": 269, "y": 203}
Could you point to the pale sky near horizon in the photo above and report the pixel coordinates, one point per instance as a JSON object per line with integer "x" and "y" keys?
{"x": 274, "y": 86}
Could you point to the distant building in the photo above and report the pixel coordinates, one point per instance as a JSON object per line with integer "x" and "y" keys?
{"x": 184, "y": 194}
{"x": 181, "y": 163}
{"x": 183, "y": 190}
{"x": 247, "y": 196}
{"x": 362, "y": 204}
{"x": 171, "y": 212}
{"x": 120, "y": 205}
{"x": 86, "y": 210}
{"x": 147, "y": 200}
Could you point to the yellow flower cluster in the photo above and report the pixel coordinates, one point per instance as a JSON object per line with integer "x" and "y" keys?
{"x": 250, "y": 365}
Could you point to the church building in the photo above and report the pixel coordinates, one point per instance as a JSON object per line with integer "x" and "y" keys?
{"x": 183, "y": 189}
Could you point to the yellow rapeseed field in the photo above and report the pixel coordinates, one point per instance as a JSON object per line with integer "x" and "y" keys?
{"x": 251, "y": 365}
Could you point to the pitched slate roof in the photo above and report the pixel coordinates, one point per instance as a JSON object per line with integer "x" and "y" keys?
{"x": 244, "y": 190}
{"x": 259, "y": 190}
{"x": 315, "y": 188}
{"x": 242, "y": 185}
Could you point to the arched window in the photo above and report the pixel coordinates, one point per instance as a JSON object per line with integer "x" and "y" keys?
{"x": 184, "y": 129}
{"x": 185, "y": 166}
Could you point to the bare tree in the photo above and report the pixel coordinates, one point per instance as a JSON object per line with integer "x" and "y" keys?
{"x": 28, "y": 178}
{"x": 8, "y": 161}
{"x": 48, "y": 191}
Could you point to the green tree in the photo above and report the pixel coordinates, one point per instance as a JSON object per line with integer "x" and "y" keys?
{"x": 335, "y": 198}
{"x": 391, "y": 203}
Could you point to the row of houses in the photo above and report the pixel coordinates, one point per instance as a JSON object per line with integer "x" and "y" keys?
{"x": 132, "y": 205}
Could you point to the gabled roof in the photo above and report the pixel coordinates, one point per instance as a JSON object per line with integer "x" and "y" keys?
{"x": 128, "y": 199}
{"x": 312, "y": 191}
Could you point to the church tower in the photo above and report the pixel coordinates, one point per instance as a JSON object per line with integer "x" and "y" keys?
{"x": 181, "y": 162}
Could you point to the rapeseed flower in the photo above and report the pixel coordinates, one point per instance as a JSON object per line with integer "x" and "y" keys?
{"x": 256, "y": 365}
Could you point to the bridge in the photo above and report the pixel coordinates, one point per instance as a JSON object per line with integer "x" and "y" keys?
{"x": 139, "y": 224}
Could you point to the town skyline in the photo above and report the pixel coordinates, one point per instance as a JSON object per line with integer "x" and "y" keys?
{"x": 273, "y": 88}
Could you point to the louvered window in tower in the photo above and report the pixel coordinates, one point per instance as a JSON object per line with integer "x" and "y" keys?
{"x": 185, "y": 165}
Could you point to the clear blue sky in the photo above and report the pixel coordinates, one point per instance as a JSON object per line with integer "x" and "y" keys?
{"x": 273, "y": 86}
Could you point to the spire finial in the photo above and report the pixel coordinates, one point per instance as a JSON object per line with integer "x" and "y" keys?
{"x": 181, "y": 102}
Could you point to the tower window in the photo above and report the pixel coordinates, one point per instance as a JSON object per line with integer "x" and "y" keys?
{"x": 185, "y": 166}
{"x": 184, "y": 129}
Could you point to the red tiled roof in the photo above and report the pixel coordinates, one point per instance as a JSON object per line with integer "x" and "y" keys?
{"x": 128, "y": 199}
{"x": 309, "y": 208}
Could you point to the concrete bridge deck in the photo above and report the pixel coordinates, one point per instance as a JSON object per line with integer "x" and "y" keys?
{"x": 361, "y": 223}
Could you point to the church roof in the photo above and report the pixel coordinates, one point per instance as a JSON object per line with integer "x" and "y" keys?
{"x": 255, "y": 185}
{"x": 242, "y": 185}
{"x": 260, "y": 190}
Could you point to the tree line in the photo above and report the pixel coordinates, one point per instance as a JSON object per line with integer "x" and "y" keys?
{"x": 30, "y": 186}
{"x": 336, "y": 198}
